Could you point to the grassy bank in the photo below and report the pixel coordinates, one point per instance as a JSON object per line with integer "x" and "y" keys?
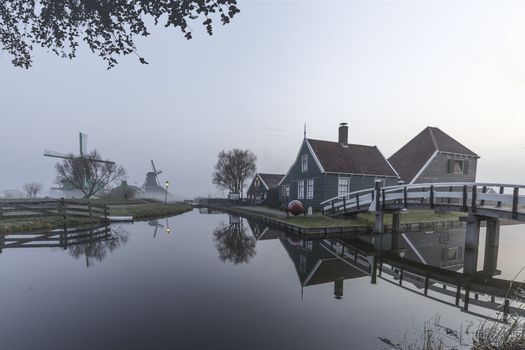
{"x": 140, "y": 209}
{"x": 149, "y": 210}
{"x": 362, "y": 220}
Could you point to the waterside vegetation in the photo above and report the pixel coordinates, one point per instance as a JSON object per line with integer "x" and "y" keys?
{"x": 139, "y": 209}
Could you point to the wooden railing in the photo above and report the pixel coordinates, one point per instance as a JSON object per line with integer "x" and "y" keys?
{"x": 460, "y": 196}
{"x": 15, "y": 209}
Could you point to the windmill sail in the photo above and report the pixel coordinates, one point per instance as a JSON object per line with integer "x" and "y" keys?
{"x": 54, "y": 154}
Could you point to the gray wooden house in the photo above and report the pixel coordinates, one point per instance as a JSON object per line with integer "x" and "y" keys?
{"x": 434, "y": 156}
{"x": 264, "y": 188}
{"x": 326, "y": 169}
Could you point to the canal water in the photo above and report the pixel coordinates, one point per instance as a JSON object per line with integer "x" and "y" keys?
{"x": 212, "y": 281}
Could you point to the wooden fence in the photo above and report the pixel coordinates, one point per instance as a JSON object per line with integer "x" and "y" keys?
{"x": 20, "y": 209}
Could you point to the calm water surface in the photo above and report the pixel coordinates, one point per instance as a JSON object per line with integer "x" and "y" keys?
{"x": 204, "y": 286}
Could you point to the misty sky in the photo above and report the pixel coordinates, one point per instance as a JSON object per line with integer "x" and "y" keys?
{"x": 387, "y": 68}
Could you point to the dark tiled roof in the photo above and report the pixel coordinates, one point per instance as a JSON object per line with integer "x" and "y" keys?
{"x": 354, "y": 159}
{"x": 271, "y": 180}
{"x": 409, "y": 160}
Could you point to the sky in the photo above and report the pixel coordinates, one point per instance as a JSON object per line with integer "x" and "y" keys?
{"x": 387, "y": 68}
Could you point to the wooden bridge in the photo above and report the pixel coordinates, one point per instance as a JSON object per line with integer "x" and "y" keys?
{"x": 488, "y": 199}
{"x": 484, "y": 202}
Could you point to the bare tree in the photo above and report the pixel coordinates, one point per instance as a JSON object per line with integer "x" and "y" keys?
{"x": 88, "y": 175}
{"x": 32, "y": 189}
{"x": 108, "y": 28}
{"x": 233, "y": 168}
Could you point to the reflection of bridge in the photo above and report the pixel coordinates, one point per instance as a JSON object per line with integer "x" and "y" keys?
{"x": 484, "y": 202}
{"x": 385, "y": 256}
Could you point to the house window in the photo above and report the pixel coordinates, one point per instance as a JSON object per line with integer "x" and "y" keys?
{"x": 300, "y": 189}
{"x": 310, "y": 189}
{"x": 286, "y": 191}
{"x": 304, "y": 163}
{"x": 343, "y": 186}
{"x": 457, "y": 166}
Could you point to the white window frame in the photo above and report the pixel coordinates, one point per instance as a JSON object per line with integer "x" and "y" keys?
{"x": 287, "y": 191}
{"x": 345, "y": 191}
{"x": 310, "y": 189}
{"x": 300, "y": 189}
{"x": 304, "y": 163}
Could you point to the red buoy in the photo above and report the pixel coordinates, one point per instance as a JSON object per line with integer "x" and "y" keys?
{"x": 295, "y": 208}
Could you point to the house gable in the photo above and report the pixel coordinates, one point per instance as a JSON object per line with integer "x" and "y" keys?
{"x": 295, "y": 170}
{"x": 412, "y": 160}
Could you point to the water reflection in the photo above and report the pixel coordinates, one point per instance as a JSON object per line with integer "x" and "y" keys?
{"x": 156, "y": 224}
{"x": 320, "y": 262}
{"x": 429, "y": 263}
{"x": 93, "y": 242}
{"x": 95, "y": 247}
{"x": 233, "y": 243}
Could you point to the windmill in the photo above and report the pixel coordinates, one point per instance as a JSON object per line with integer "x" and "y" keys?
{"x": 152, "y": 184}
{"x": 82, "y": 138}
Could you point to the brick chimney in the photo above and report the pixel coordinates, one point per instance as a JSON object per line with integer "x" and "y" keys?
{"x": 343, "y": 134}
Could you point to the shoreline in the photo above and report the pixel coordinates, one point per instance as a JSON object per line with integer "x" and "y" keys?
{"x": 139, "y": 211}
{"x": 316, "y": 225}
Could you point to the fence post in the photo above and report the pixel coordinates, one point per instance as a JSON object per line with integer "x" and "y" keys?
{"x": 465, "y": 198}
{"x": 344, "y": 204}
{"x": 515, "y": 202}
{"x": 63, "y": 208}
{"x": 474, "y": 197}
{"x": 384, "y": 198}
{"x": 333, "y": 208}
{"x": 357, "y": 200}
{"x": 501, "y": 191}
{"x": 405, "y": 197}
{"x": 431, "y": 196}
{"x": 484, "y": 190}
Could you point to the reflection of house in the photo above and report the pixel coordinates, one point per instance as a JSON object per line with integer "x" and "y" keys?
{"x": 264, "y": 188}
{"x": 442, "y": 248}
{"x": 316, "y": 262}
{"x": 262, "y": 232}
{"x": 326, "y": 169}
{"x": 434, "y": 156}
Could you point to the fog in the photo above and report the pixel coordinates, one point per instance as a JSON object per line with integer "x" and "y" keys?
{"x": 388, "y": 69}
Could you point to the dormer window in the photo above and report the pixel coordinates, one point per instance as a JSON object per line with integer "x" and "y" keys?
{"x": 304, "y": 163}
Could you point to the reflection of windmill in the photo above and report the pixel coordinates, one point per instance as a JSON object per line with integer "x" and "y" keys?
{"x": 152, "y": 184}
{"x": 82, "y": 138}
{"x": 155, "y": 223}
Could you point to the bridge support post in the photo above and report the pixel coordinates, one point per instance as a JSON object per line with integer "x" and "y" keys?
{"x": 471, "y": 245}
{"x": 373, "y": 277}
{"x": 379, "y": 209}
{"x": 491, "y": 247}
{"x": 379, "y": 227}
{"x": 396, "y": 230}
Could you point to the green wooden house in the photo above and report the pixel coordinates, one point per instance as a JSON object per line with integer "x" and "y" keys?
{"x": 326, "y": 169}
